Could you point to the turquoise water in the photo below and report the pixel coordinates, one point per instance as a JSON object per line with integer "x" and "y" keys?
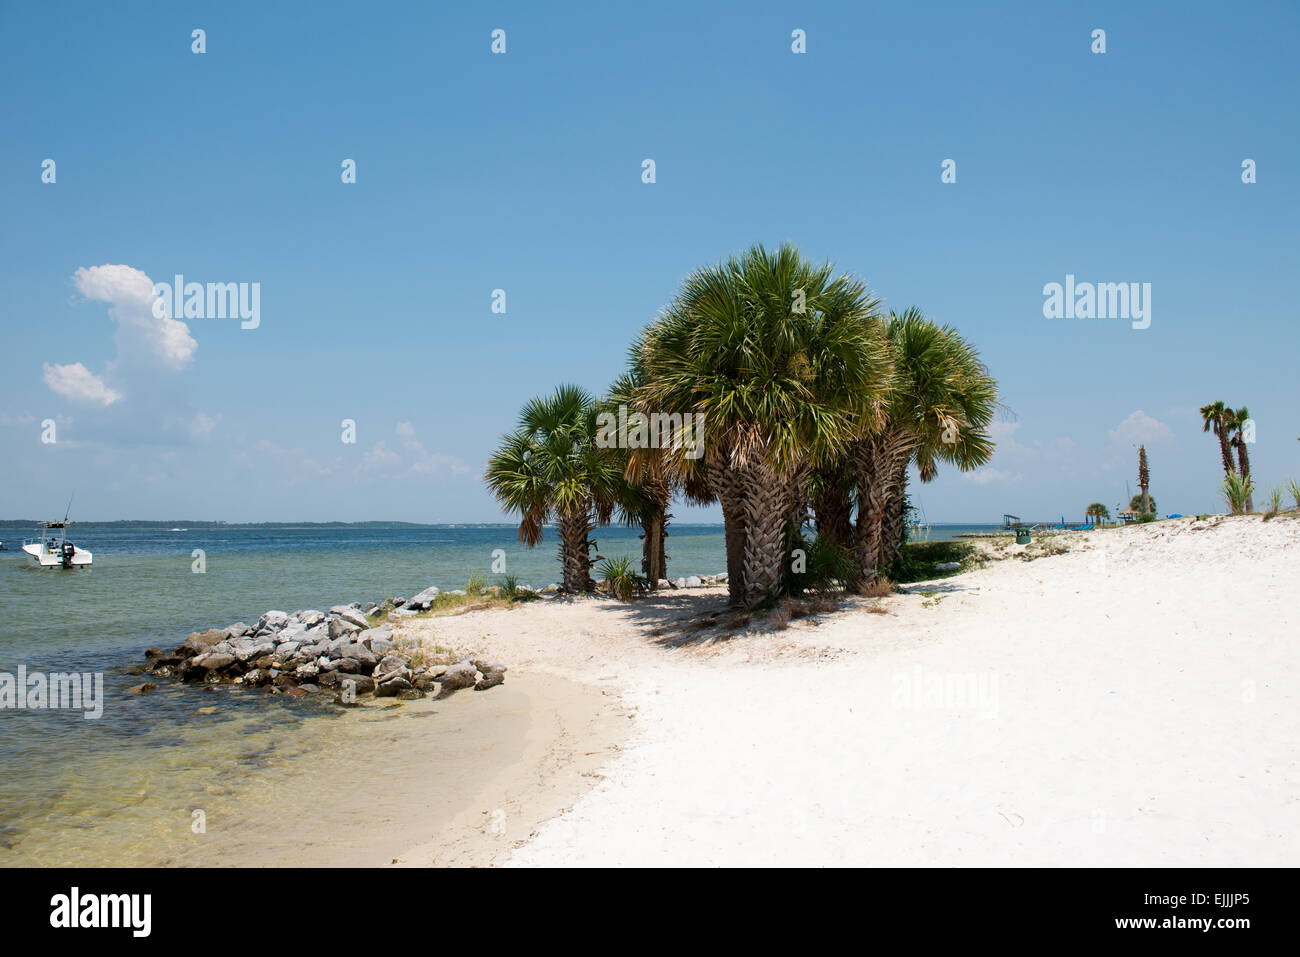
{"x": 120, "y": 789}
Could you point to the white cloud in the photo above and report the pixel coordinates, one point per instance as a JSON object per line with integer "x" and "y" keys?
{"x": 145, "y": 342}
{"x": 412, "y": 459}
{"x": 129, "y": 293}
{"x": 202, "y": 425}
{"x": 79, "y": 384}
{"x": 1140, "y": 428}
{"x": 988, "y": 476}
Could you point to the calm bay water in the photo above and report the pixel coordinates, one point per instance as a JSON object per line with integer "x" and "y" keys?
{"x": 121, "y": 789}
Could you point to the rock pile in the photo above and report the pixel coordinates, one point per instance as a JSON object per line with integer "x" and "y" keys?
{"x": 311, "y": 651}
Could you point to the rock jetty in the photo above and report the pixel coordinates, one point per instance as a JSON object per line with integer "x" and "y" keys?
{"x": 310, "y": 652}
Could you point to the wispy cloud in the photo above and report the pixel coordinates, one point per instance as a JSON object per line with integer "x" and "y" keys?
{"x": 79, "y": 384}
{"x": 1140, "y": 428}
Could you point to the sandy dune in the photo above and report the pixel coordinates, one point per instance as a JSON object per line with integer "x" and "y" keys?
{"x": 1134, "y": 701}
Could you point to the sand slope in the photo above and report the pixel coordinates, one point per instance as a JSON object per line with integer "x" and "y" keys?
{"x": 1134, "y": 701}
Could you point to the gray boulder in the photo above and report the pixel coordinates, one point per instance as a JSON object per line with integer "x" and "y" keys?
{"x": 360, "y": 684}
{"x": 348, "y": 613}
{"x": 237, "y": 630}
{"x": 213, "y": 661}
{"x": 390, "y": 666}
{"x": 391, "y": 687}
{"x": 454, "y": 677}
{"x": 356, "y": 651}
{"x": 339, "y": 627}
{"x": 273, "y": 621}
{"x": 200, "y": 641}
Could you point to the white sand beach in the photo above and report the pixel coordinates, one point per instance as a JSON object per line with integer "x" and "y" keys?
{"x": 1133, "y": 701}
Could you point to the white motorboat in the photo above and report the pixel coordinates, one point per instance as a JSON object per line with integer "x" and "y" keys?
{"x": 53, "y": 550}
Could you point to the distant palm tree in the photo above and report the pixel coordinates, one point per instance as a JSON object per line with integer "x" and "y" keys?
{"x": 1215, "y": 416}
{"x": 1144, "y": 481}
{"x": 1236, "y": 422}
{"x": 1098, "y": 512}
{"x": 551, "y": 469}
{"x": 1137, "y": 505}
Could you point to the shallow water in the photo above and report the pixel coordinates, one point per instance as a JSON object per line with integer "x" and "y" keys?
{"x": 123, "y": 789}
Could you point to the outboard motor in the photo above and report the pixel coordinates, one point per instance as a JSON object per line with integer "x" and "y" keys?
{"x": 68, "y": 551}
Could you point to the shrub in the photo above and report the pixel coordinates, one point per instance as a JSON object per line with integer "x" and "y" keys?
{"x": 826, "y": 567}
{"x": 1146, "y": 517}
{"x": 511, "y": 590}
{"x": 1274, "y": 503}
{"x": 1236, "y": 490}
{"x": 624, "y": 583}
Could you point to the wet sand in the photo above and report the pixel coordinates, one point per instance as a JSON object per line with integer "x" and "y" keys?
{"x": 458, "y": 781}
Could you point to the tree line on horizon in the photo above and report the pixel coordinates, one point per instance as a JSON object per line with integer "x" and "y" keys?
{"x": 813, "y": 401}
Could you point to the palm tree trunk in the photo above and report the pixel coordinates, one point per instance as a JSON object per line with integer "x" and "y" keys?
{"x": 832, "y": 509}
{"x": 652, "y": 545}
{"x": 767, "y": 514}
{"x": 1222, "y": 432}
{"x": 726, "y": 483}
{"x": 896, "y": 527}
{"x": 876, "y": 461}
{"x": 796, "y": 486}
{"x": 1244, "y": 461}
{"x": 574, "y": 529}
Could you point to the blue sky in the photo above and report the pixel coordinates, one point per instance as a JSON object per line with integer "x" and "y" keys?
{"x": 522, "y": 172}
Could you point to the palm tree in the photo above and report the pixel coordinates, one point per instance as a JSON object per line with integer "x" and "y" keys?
{"x": 939, "y": 406}
{"x": 1215, "y": 416}
{"x": 1144, "y": 480}
{"x": 1098, "y": 512}
{"x": 551, "y": 469}
{"x": 642, "y": 492}
{"x": 1236, "y": 425}
{"x": 1142, "y": 508}
{"x": 784, "y": 359}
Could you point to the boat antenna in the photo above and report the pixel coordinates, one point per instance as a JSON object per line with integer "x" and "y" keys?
{"x": 68, "y": 510}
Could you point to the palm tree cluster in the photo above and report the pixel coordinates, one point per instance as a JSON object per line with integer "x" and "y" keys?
{"x": 1229, "y": 427}
{"x": 1098, "y": 512}
{"x": 814, "y": 402}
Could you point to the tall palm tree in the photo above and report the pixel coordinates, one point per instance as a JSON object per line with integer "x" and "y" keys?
{"x": 550, "y": 468}
{"x": 1098, "y": 512}
{"x": 939, "y": 406}
{"x": 1236, "y": 423}
{"x": 1215, "y": 416}
{"x": 1144, "y": 480}
{"x": 784, "y": 359}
